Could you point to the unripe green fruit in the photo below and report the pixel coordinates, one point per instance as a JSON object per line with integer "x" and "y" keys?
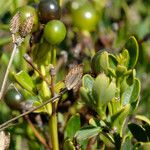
{"x": 54, "y": 32}
{"x": 27, "y": 11}
{"x": 13, "y": 99}
{"x": 85, "y": 17}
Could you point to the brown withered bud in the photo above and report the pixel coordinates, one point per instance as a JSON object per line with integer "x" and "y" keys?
{"x": 74, "y": 76}
{"x": 26, "y": 27}
{"x": 5, "y": 140}
{"x": 15, "y": 23}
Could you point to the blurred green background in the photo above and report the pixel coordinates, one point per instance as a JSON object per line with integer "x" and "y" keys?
{"x": 119, "y": 19}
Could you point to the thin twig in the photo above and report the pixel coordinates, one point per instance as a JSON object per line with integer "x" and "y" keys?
{"x": 37, "y": 134}
{"x": 7, "y": 70}
{"x": 33, "y": 109}
{"x": 30, "y": 62}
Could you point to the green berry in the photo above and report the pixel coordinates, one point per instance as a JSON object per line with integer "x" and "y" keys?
{"x": 54, "y": 32}
{"x": 27, "y": 11}
{"x": 48, "y": 10}
{"x": 13, "y": 98}
{"x": 85, "y": 17}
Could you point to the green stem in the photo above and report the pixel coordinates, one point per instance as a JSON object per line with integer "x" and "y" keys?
{"x": 53, "y": 117}
{"x": 53, "y": 56}
{"x": 54, "y": 131}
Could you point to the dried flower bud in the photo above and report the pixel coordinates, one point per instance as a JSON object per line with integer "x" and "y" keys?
{"x": 26, "y": 28}
{"x": 4, "y": 140}
{"x": 15, "y": 23}
{"x": 27, "y": 58}
{"x": 74, "y": 76}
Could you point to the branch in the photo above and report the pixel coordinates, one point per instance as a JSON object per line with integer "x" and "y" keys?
{"x": 37, "y": 134}
{"x": 30, "y": 62}
{"x": 7, "y": 71}
{"x": 33, "y": 109}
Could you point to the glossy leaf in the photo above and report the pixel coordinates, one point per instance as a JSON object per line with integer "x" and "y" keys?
{"x": 87, "y": 132}
{"x": 87, "y": 82}
{"x": 100, "y": 62}
{"x": 143, "y": 118}
{"x": 103, "y": 89}
{"x": 133, "y": 49}
{"x": 138, "y": 132}
{"x": 73, "y": 125}
{"x": 25, "y": 81}
{"x": 84, "y": 96}
{"x": 131, "y": 94}
{"x": 112, "y": 61}
{"x": 118, "y": 119}
{"x": 125, "y": 55}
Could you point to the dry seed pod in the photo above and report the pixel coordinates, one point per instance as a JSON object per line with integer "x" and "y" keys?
{"x": 26, "y": 27}
{"x": 74, "y": 76}
{"x": 15, "y": 23}
{"x": 4, "y": 140}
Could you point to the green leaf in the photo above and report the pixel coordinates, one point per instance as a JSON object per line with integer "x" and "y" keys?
{"x": 73, "y": 126}
{"x": 68, "y": 145}
{"x": 84, "y": 96}
{"x": 87, "y": 132}
{"x": 112, "y": 61}
{"x": 118, "y": 119}
{"x": 100, "y": 62}
{"x": 25, "y": 81}
{"x": 125, "y": 55}
{"x": 144, "y": 146}
{"x": 41, "y": 54}
{"x": 131, "y": 94}
{"x": 87, "y": 82}
{"x": 142, "y": 118}
{"x": 126, "y": 144}
{"x": 103, "y": 89}
{"x": 121, "y": 70}
{"x": 138, "y": 132}
{"x": 37, "y": 103}
{"x": 133, "y": 49}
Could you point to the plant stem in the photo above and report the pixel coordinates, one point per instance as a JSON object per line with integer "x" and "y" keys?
{"x": 2, "y": 126}
{"x": 53, "y": 55}
{"x": 54, "y": 131}
{"x": 30, "y": 62}
{"x": 53, "y": 117}
{"x": 7, "y": 70}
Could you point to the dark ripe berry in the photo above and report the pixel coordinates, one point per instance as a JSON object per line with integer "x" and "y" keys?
{"x": 28, "y": 11}
{"x": 48, "y": 10}
{"x": 54, "y": 32}
{"x": 13, "y": 98}
{"x": 85, "y": 17}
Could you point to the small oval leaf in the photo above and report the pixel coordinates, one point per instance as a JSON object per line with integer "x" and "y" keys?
{"x": 25, "y": 81}
{"x": 133, "y": 49}
{"x": 87, "y": 132}
{"x": 73, "y": 126}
